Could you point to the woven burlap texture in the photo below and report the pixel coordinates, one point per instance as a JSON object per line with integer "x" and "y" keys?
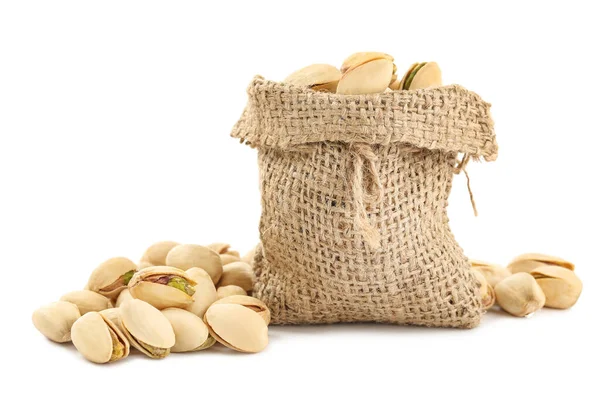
{"x": 354, "y": 193}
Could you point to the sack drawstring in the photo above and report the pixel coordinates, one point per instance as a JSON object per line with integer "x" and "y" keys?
{"x": 364, "y": 162}
{"x": 462, "y": 167}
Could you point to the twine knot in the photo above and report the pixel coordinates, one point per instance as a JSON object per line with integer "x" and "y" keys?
{"x": 366, "y": 188}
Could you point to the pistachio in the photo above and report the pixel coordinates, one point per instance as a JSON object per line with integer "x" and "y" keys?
{"x": 530, "y": 261}
{"x": 560, "y": 285}
{"x": 239, "y": 274}
{"x": 230, "y": 290}
{"x": 87, "y": 301}
{"x": 492, "y": 273}
{"x": 519, "y": 294}
{"x": 357, "y": 59}
{"x": 370, "y": 77}
{"x": 146, "y": 328}
{"x": 488, "y": 296}
{"x": 228, "y": 259}
{"x": 319, "y": 77}
{"x": 163, "y": 287}
{"x": 186, "y": 256}
{"x": 55, "y": 320}
{"x": 113, "y": 315}
{"x": 156, "y": 254}
{"x": 237, "y": 327}
{"x": 112, "y": 276}
{"x": 191, "y": 334}
{"x": 205, "y": 292}
{"x": 98, "y": 339}
{"x": 422, "y": 76}
{"x": 249, "y": 302}
{"x": 524, "y": 266}
{"x": 124, "y": 296}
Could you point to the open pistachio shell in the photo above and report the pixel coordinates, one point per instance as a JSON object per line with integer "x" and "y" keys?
{"x": 113, "y": 315}
{"x": 488, "y": 296}
{"x": 541, "y": 258}
{"x": 520, "y": 295}
{"x": 191, "y": 333}
{"x": 360, "y": 58}
{"x": 55, "y": 320}
{"x": 146, "y": 328}
{"x": 112, "y": 276}
{"x": 427, "y": 76}
{"x": 371, "y": 77}
{"x": 237, "y": 327}
{"x": 205, "y": 294}
{"x": 560, "y": 285}
{"x": 230, "y": 290}
{"x": 320, "y": 77}
{"x": 402, "y": 81}
{"x": 156, "y": 254}
{"x": 98, "y": 339}
{"x": 124, "y": 296}
{"x": 239, "y": 274}
{"x": 252, "y": 303}
{"x": 493, "y": 273}
{"x": 186, "y": 256}
{"x": 163, "y": 287}
{"x": 524, "y": 266}
{"x": 87, "y": 301}
{"x": 228, "y": 259}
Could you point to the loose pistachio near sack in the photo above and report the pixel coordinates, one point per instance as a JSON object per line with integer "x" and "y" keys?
{"x": 157, "y": 309}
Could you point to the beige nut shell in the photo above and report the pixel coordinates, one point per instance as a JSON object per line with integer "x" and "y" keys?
{"x": 159, "y": 295}
{"x": 191, "y": 333}
{"x": 91, "y": 336}
{"x": 186, "y": 256}
{"x": 113, "y": 315}
{"x": 488, "y": 296}
{"x": 560, "y": 285}
{"x": 156, "y": 254}
{"x": 87, "y": 301}
{"x": 252, "y": 303}
{"x": 206, "y": 293}
{"x": 357, "y": 59}
{"x": 371, "y": 77}
{"x": 321, "y": 77}
{"x": 55, "y": 320}
{"x": 228, "y": 259}
{"x": 430, "y": 75}
{"x": 493, "y": 273}
{"x": 141, "y": 321}
{"x": 124, "y": 296}
{"x": 529, "y": 261}
{"x": 239, "y": 274}
{"x": 230, "y": 290}
{"x": 520, "y": 295}
{"x": 237, "y": 327}
{"x": 107, "y": 273}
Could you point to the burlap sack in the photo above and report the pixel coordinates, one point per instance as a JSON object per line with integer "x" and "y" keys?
{"x": 354, "y": 194}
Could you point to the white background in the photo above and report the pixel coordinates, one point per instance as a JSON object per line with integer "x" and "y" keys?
{"x": 114, "y": 124}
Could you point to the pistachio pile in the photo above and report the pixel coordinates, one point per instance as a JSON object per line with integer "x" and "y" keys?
{"x": 529, "y": 282}
{"x": 366, "y": 73}
{"x": 178, "y": 298}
